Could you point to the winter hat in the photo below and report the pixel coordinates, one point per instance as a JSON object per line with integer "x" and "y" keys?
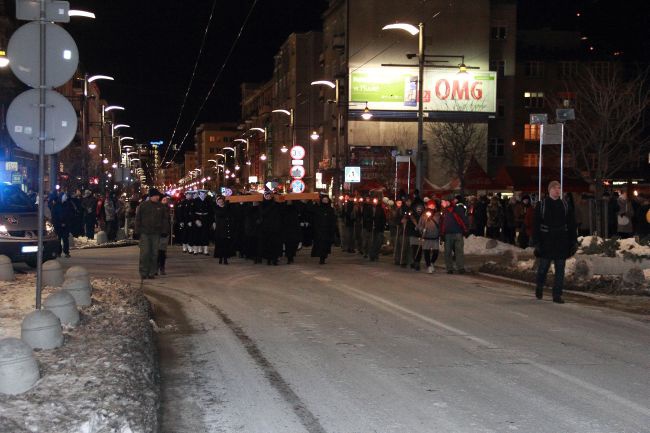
{"x": 154, "y": 191}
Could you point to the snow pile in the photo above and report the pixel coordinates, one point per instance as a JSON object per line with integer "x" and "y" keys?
{"x": 83, "y": 242}
{"x": 477, "y": 245}
{"x": 104, "y": 377}
{"x": 631, "y": 246}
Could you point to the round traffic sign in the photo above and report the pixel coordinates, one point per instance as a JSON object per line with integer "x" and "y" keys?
{"x": 61, "y": 54}
{"x": 227, "y": 192}
{"x": 23, "y": 121}
{"x": 297, "y": 185}
{"x": 297, "y": 152}
{"x": 297, "y": 171}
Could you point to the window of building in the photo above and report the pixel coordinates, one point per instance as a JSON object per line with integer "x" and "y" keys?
{"x": 531, "y": 160}
{"x": 212, "y": 150}
{"x": 533, "y": 99}
{"x": 534, "y": 69}
{"x": 501, "y": 108}
{"x": 531, "y": 132}
{"x": 568, "y": 69}
{"x": 568, "y": 99}
{"x": 499, "y": 66}
{"x": 212, "y": 139}
{"x": 498, "y": 32}
{"x": 601, "y": 69}
{"x": 495, "y": 147}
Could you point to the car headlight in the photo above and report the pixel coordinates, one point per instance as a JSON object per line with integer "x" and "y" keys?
{"x": 48, "y": 227}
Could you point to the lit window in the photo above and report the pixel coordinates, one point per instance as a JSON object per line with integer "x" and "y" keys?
{"x": 531, "y": 132}
{"x": 533, "y": 99}
{"x": 498, "y": 32}
{"x": 531, "y": 160}
{"x": 212, "y": 139}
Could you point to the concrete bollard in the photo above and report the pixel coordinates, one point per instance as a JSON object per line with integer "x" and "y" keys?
{"x": 41, "y": 329}
{"x": 52, "y": 273}
{"x": 80, "y": 290}
{"x": 101, "y": 238}
{"x": 78, "y": 272}
{"x": 18, "y": 367}
{"x": 6, "y": 269}
{"x": 63, "y": 305}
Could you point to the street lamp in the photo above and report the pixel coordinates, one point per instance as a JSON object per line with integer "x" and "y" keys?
{"x": 314, "y": 135}
{"x": 335, "y": 85}
{"x": 411, "y": 29}
{"x": 4, "y": 60}
{"x": 79, "y": 13}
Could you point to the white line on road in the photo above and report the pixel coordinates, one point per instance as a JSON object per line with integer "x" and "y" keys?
{"x": 373, "y": 299}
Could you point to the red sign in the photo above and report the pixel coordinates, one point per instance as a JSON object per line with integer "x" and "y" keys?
{"x": 297, "y": 152}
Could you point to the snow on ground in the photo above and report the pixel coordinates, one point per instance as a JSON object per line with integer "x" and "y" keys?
{"x": 103, "y": 379}
{"x": 629, "y": 245}
{"x": 476, "y": 245}
{"x": 83, "y": 242}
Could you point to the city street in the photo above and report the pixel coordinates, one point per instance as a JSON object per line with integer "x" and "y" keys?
{"x": 354, "y": 346}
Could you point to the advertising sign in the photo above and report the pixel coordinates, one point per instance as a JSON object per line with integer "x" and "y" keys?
{"x": 392, "y": 88}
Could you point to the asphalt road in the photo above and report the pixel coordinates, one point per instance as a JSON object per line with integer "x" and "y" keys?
{"x": 354, "y": 346}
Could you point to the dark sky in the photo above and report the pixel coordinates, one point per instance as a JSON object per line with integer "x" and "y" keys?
{"x": 150, "y": 48}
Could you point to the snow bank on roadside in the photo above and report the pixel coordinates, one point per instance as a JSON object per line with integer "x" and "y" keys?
{"x": 628, "y": 245}
{"x": 82, "y": 242}
{"x": 104, "y": 377}
{"x": 476, "y": 245}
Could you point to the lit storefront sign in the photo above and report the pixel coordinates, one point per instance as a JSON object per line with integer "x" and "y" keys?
{"x": 395, "y": 89}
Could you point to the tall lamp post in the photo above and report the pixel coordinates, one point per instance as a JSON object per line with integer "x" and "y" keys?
{"x": 335, "y": 85}
{"x": 85, "y": 123}
{"x": 105, "y": 109}
{"x": 419, "y": 30}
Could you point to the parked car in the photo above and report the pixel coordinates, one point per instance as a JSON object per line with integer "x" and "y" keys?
{"x": 19, "y": 228}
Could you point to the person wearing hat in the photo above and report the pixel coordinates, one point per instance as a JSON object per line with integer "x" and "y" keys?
{"x": 453, "y": 228}
{"x": 149, "y": 226}
{"x": 62, "y": 216}
{"x": 182, "y": 215}
{"x": 223, "y": 230}
{"x": 202, "y": 219}
{"x": 270, "y": 238}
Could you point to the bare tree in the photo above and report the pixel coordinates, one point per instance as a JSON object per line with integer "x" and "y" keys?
{"x": 455, "y": 144}
{"x": 608, "y": 133}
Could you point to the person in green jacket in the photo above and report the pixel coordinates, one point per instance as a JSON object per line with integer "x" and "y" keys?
{"x": 149, "y": 226}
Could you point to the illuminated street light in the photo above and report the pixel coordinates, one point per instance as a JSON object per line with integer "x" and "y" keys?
{"x": 284, "y": 149}
{"x": 78, "y": 13}
{"x": 403, "y": 26}
{"x": 263, "y": 157}
{"x": 114, "y": 165}
{"x": 126, "y": 138}
{"x": 100, "y": 77}
{"x": 121, "y": 125}
{"x": 105, "y": 160}
{"x": 314, "y": 135}
{"x": 92, "y": 145}
{"x": 4, "y": 60}
{"x": 113, "y": 107}
{"x": 324, "y": 83}
{"x": 367, "y": 115}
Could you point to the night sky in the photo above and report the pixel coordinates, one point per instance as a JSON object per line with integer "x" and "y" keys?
{"x": 150, "y": 48}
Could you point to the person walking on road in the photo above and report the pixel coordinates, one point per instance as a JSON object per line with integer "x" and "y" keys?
{"x": 454, "y": 228}
{"x": 555, "y": 239}
{"x": 223, "y": 230}
{"x": 62, "y": 217}
{"x": 429, "y": 227}
{"x": 149, "y": 226}
{"x": 290, "y": 230}
{"x": 324, "y": 229}
{"x": 89, "y": 205}
{"x": 378, "y": 224}
{"x": 164, "y": 237}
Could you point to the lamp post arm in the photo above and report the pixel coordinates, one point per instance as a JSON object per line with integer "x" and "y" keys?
{"x": 418, "y": 157}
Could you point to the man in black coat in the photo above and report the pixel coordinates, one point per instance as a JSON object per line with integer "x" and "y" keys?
{"x": 555, "y": 239}
{"x": 324, "y": 229}
{"x": 62, "y": 217}
{"x": 223, "y": 230}
{"x": 202, "y": 219}
{"x": 182, "y": 215}
{"x": 270, "y": 229}
{"x": 378, "y": 224}
{"x": 291, "y": 231}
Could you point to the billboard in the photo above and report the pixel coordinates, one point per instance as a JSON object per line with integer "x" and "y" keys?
{"x": 395, "y": 89}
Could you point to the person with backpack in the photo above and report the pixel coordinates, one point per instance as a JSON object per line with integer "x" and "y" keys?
{"x": 454, "y": 229}
{"x": 555, "y": 239}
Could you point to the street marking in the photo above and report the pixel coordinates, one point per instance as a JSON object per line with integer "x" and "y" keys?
{"x": 373, "y": 299}
{"x": 323, "y": 279}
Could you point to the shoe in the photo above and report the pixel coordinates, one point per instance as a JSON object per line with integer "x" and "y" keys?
{"x": 67, "y": 256}
{"x": 275, "y": 262}
{"x": 430, "y": 269}
{"x": 220, "y": 260}
{"x": 558, "y": 300}
{"x": 450, "y": 271}
{"x": 321, "y": 262}
{"x": 539, "y": 293}
{"x": 417, "y": 267}
{"x": 162, "y": 272}
{"x": 461, "y": 271}
{"x": 225, "y": 261}
{"x": 151, "y": 277}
